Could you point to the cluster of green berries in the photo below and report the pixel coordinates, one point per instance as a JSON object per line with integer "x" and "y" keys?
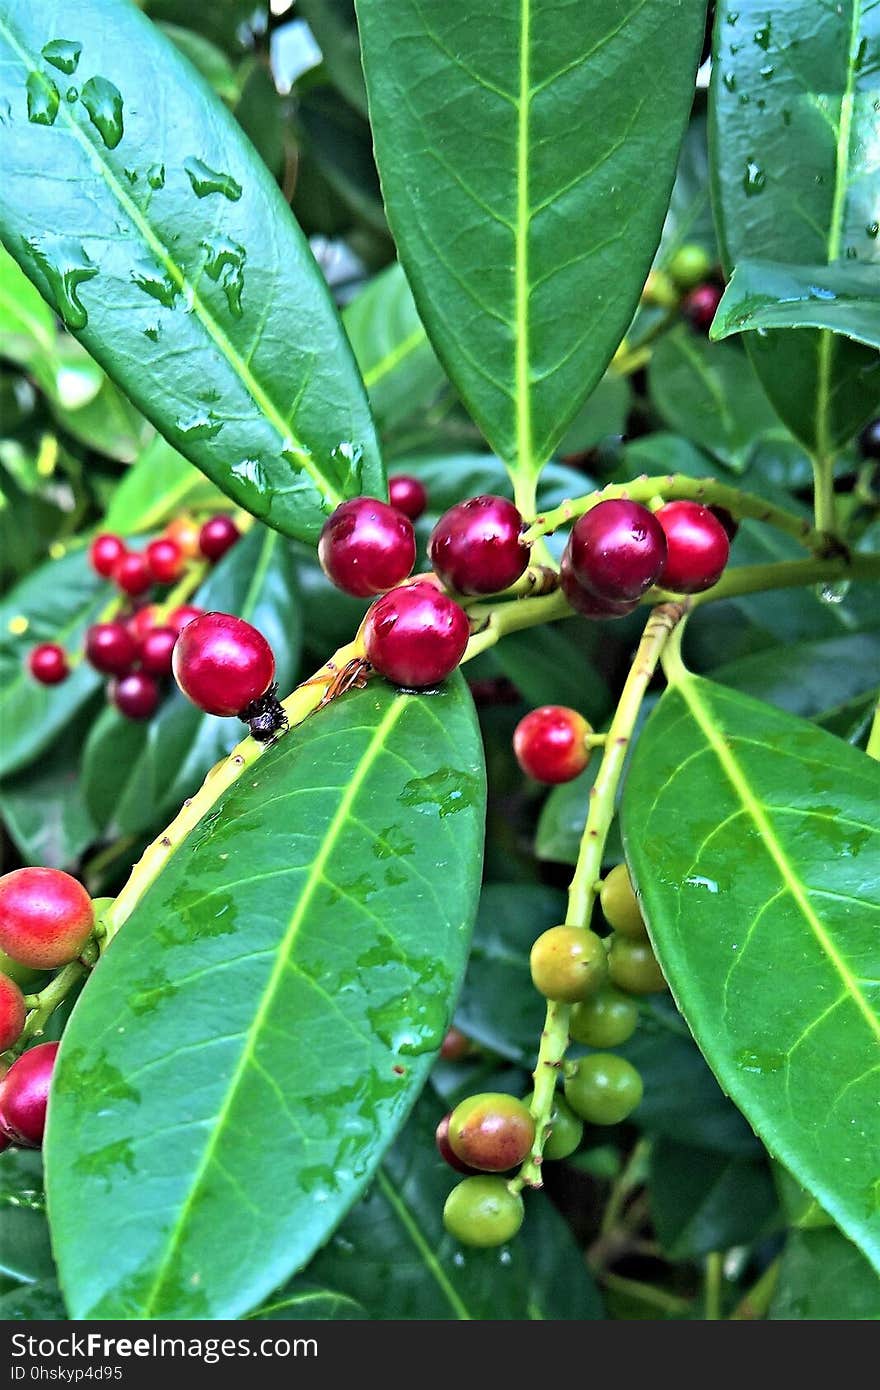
{"x": 690, "y": 283}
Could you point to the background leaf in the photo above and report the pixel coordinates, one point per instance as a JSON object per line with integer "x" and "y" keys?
{"x": 764, "y": 294}
{"x": 825, "y": 1277}
{"x": 157, "y": 486}
{"x": 703, "y": 1201}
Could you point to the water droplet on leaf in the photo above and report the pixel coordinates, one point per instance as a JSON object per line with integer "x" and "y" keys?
{"x": 225, "y": 265}
{"x": 66, "y": 267}
{"x": 158, "y": 286}
{"x": 62, "y": 54}
{"x": 42, "y": 99}
{"x": 201, "y": 425}
{"x": 754, "y": 179}
{"x": 103, "y": 101}
{"x": 833, "y": 593}
{"x": 205, "y": 181}
{"x": 156, "y": 176}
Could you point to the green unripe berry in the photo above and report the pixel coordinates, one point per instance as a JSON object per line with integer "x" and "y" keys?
{"x": 633, "y": 966}
{"x": 23, "y": 975}
{"x": 492, "y": 1132}
{"x": 660, "y": 290}
{"x": 603, "y": 1089}
{"x": 690, "y": 265}
{"x": 566, "y": 1130}
{"x": 620, "y": 905}
{"x": 606, "y": 1020}
{"x": 483, "y": 1212}
{"x": 568, "y": 964}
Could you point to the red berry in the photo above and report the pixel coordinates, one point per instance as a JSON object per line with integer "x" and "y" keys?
{"x": 24, "y": 1095}
{"x": 616, "y": 550}
{"x": 549, "y": 743}
{"x": 132, "y": 574}
{"x": 218, "y": 535}
{"x": 697, "y": 548}
{"x": 222, "y": 664}
{"x": 12, "y": 1012}
{"x": 155, "y": 651}
{"x": 367, "y": 547}
{"x": 185, "y": 534}
{"x": 135, "y": 695}
{"x": 105, "y": 552}
{"x": 455, "y": 1045}
{"x": 179, "y": 617}
{"x": 699, "y": 307}
{"x": 491, "y": 1132}
{"x": 445, "y": 1149}
{"x": 110, "y": 648}
{"x": 142, "y": 622}
{"x": 408, "y": 495}
{"x": 48, "y": 664}
{"x": 586, "y": 603}
{"x": 45, "y": 917}
{"x": 165, "y": 560}
{"x": 415, "y": 636}
{"x": 475, "y": 548}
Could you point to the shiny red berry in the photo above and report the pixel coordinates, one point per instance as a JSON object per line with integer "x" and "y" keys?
{"x": 367, "y": 547}
{"x": 586, "y": 603}
{"x": 699, "y": 307}
{"x": 132, "y": 574}
{"x": 111, "y": 648}
{"x": 12, "y": 1012}
{"x": 165, "y": 560}
{"x": 491, "y": 1132}
{"x": 48, "y": 664}
{"x": 475, "y": 548}
{"x": 218, "y": 535}
{"x": 179, "y": 617}
{"x": 45, "y": 917}
{"x": 105, "y": 552}
{"x": 408, "y": 495}
{"x": 415, "y": 636}
{"x": 142, "y": 622}
{"x": 455, "y": 1046}
{"x": 616, "y": 550}
{"x": 24, "y": 1095}
{"x": 155, "y": 651}
{"x": 445, "y": 1149}
{"x": 185, "y": 534}
{"x": 222, "y": 664}
{"x": 697, "y": 548}
{"x": 550, "y": 743}
{"x": 135, "y": 695}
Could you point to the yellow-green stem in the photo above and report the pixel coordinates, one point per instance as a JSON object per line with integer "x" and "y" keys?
{"x": 713, "y": 1286}
{"x": 873, "y": 748}
{"x": 824, "y": 501}
{"x": 756, "y": 1302}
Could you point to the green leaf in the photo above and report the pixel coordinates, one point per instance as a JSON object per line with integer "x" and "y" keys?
{"x": 206, "y": 58}
{"x": 25, "y": 1256}
{"x": 159, "y": 484}
{"x": 527, "y": 153}
{"x": 180, "y": 267}
{"x": 765, "y": 294}
{"x": 562, "y": 664}
{"x": 297, "y": 959}
{"x": 703, "y": 1201}
{"x": 689, "y": 219}
{"x": 334, "y": 25}
{"x": 604, "y": 412}
{"x": 809, "y": 678}
{"x": 397, "y": 362}
{"x": 108, "y": 422}
{"x": 709, "y": 393}
{"x": 793, "y": 123}
{"x": 308, "y": 1301}
{"x": 755, "y": 844}
{"x": 33, "y": 1303}
{"x": 27, "y": 327}
{"x": 43, "y": 806}
{"x": 823, "y": 1278}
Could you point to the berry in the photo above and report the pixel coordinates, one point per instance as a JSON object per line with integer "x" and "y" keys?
{"x": 616, "y": 550}
{"x": 105, "y": 552}
{"x": 475, "y": 547}
{"x": 699, "y": 307}
{"x": 131, "y": 574}
{"x": 24, "y": 1095}
{"x": 605, "y": 1020}
{"x": 690, "y": 265}
{"x": 621, "y": 906}
{"x": 47, "y": 663}
{"x": 156, "y": 649}
{"x": 483, "y": 1212}
{"x": 141, "y": 622}
{"x": 407, "y": 495}
{"x": 586, "y": 603}
{"x": 445, "y": 1149}
{"x": 415, "y": 636}
{"x": 179, "y": 617}
{"x": 455, "y": 1045}
{"x": 110, "y": 648}
{"x": 135, "y": 695}
{"x": 367, "y": 547}
{"x": 566, "y": 1130}
{"x": 869, "y": 440}
{"x": 218, "y": 535}
{"x": 45, "y": 917}
{"x": 185, "y": 534}
{"x": 697, "y": 548}
{"x": 550, "y": 743}
{"x": 27, "y": 980}
{"x": 491, "y": 1132}
{"x": 568, "y": 963}
{"x": 728, "y": 521}
{"x": 222, "y": 664}
{"x": 633, "y": 966}
{"x": 660, "y": 290}
{"x": 603, "y": 1089}
{"x": 12, "y": 1012}
{"x": 164, "y": 560}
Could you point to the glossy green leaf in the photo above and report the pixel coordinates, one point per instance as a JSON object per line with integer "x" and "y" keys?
{"x": 793, "y": 126}
{"x": 298, "y": 957}
{"x": 43, "y": 806}
{"x": 159, "y": 484}
{"x": 563, "y": 663}
{"x": 397, "y": 362}
{"x": 689, "y": 219}
{"x": 27, "y": 326}
{"x": 809, "y": 677}
{"x": 824, "y": 1277}
{"x": 703, "y": 1201}
{"x": 169, "y": 251}
{"x": 25, "y": 1256}
{"x": 604, "y": 412}
{"x": 765, "y": 294}
{"x": 309, "y": 1301}
{"x": 206, "y": 58}
{"x": 33, "y": 1303}
{"x": 755, "y": 842}
{"x": 108, "y": 423}
{"x": 527, "y": 152}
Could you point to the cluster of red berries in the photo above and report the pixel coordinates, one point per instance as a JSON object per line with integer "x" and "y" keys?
{"x": 135, "y": 650}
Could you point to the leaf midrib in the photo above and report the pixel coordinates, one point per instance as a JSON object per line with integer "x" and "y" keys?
{"x": 429, "y": 1258}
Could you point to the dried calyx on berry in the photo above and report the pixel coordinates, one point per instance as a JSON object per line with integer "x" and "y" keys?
{"x": 265, "y": 717}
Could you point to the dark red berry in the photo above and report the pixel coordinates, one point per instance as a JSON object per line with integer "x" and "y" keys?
{"x": 699, "y": 307}
{"x": 475, "y": 548}
{"x": 445, "y": 1149}
{"x": 586, "y": 603}
{"x": 218, "y": 535}
{"x": 728, "y": 521}
{"x": 367, "y": 547}
{"x": 165, "y": 560}
{"x": 45, "y": 917}
{"x": 105, "y": 552}
{"x": 179, "y": 617}
{"x": 697, "y": 548}
{"x": 869, "y": 440}
{"x": 110, "y": 648}
{"x": 142, "y": 622}
{"x": 48, "y": 664}
{"x": 408, "y": 495}
{"x": 222, "y": 664}
{"x": 12, "y": 1012}
{"x": 155, "y": 651}
{"x": 616, "y": 550}
{"x": 24, "y": 1095}
{"x": 550, "y": 743}
{"x": 491, "y": 1132}
{"x": 455, "y": 1045}
{"x": 135, "y": 695}
{"x": 132, "y": 574}
{"x": 416, "y": 636}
